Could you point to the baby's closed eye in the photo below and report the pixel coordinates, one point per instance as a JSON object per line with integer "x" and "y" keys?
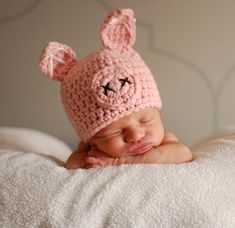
{"x": 146, "y": 120}
{"x": 110, "y": 133}
{"x": 114, "y": 133}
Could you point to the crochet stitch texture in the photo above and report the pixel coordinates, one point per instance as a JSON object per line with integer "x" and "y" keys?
{"x": 107, "y": 84}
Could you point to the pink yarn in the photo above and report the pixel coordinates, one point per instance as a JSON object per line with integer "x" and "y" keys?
{"x": 107, "y": 84}
{"x": 118, "y": 30}
{"x": 56, "y": 60}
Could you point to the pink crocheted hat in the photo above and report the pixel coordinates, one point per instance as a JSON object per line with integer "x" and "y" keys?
{"x": 106, "y": 85}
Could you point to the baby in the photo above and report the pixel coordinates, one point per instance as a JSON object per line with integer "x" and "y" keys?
{"x": 112, "y": 100}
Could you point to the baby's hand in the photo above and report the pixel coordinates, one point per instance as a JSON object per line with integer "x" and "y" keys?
{"x": 98, "y": 159}
{"x": 77, "y": 158}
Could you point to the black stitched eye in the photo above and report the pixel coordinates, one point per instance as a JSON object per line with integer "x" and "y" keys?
{"x": 107, "y": 88}
{"x": 124, "y": 81}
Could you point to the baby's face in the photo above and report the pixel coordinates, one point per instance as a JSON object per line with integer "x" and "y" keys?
{"x": 133, "y": 134}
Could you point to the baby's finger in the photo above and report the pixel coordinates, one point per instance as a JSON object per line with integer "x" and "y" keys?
{"x": 92, "y": 166}
{"x": 91, "y": 160}
{"x": 92, "y": 153}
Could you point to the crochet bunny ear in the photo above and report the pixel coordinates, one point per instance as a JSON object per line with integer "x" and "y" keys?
{"x": 118, "y": 30}
{"x": 56, "y": 60}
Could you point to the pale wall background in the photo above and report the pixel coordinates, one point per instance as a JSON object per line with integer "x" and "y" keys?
{"x": 189, "y": 46}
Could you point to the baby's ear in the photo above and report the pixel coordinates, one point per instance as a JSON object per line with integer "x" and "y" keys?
{"x": 56, "y": 60}
{"x": 118, "y": 30}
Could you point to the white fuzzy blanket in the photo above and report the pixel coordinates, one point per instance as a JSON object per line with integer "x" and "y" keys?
{"x": 36, "y": 191}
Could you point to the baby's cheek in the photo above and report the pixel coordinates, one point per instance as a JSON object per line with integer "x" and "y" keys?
{"x": 115, "y": 147}
{"x": 156, "y": 137}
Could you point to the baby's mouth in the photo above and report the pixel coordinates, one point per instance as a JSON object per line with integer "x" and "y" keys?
{"x": 140, "y": 148}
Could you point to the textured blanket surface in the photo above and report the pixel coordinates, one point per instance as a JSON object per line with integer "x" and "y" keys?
{"x": 36, "y": 191}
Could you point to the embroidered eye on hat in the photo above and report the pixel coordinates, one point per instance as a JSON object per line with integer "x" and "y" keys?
{"x": 105, "y": 85}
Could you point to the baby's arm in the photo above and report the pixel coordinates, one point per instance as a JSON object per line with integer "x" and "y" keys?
{"x": 170, "y": 151}
{"x": 77, "y": 158}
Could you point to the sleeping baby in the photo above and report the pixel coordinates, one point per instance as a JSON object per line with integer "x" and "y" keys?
{"x": 112, "y": 100}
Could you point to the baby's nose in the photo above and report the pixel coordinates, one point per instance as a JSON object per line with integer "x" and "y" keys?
{"x": 134, "y": 135}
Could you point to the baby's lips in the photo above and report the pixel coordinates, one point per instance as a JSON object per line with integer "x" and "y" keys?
{"x": 140, "y": 148}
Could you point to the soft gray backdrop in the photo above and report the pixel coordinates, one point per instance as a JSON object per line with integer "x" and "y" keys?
{"x": 189, "y": 46}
